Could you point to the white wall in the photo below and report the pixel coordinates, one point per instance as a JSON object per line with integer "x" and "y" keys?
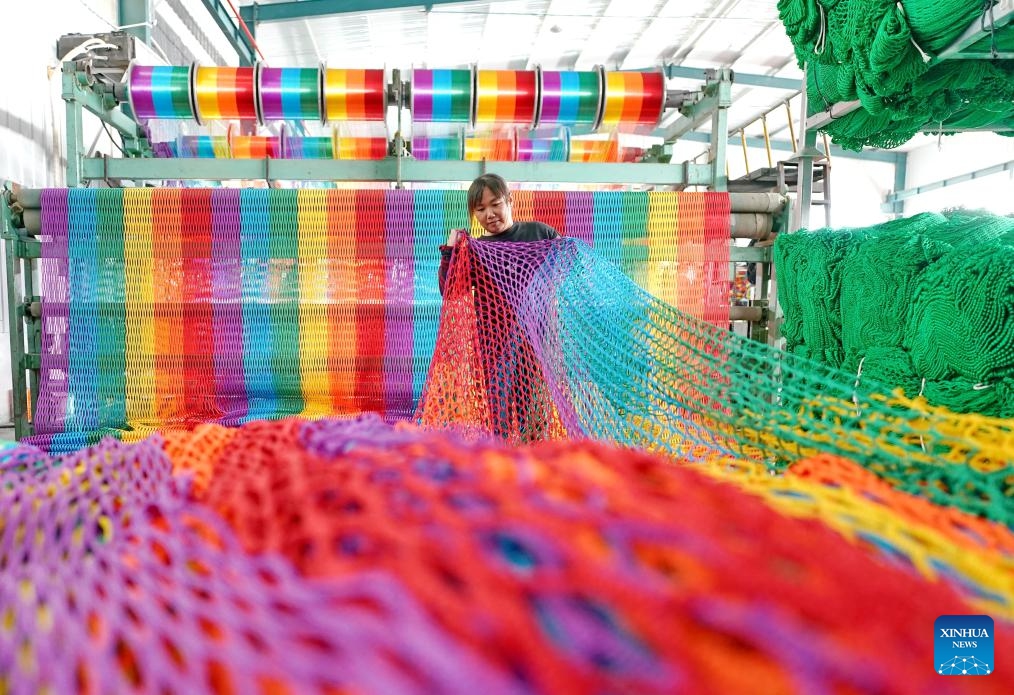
{"x": 961, "y": 154}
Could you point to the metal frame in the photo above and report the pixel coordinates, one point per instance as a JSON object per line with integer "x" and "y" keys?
{"x": 901, "y": 193}
{"x": 20, "y": 252}
{"x": 82, "y": 91}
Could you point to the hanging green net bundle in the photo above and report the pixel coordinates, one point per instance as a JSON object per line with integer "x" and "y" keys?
{"x": 924, "y": 305}
{"x": 883, "y": 53}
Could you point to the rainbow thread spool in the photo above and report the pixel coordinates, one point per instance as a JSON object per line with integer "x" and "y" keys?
{"x": 633, "y": 99}
{"x": 544, "y": 149}
{"x": 493, "y": 149}
{"x": 361, "y": 148}
{"x": 506, "y": 96}
{"x": 442, "y": 96}
{"x": 289, "y": 94}
{"x": 594, "y": 150}
{"x": 256, "y": 147}
{"x": 204, "y": 146}
{"x": 225, "y": 93}
{"x": 309, "y": 148}
{"x": 354, "y": 95}
{"x": 160, "y": 91}
{"x": 438, "y": 149}
{"x": 570, "y": 98}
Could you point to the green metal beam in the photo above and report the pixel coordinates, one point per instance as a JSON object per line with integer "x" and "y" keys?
{"x": 745, "y": 78}
{"x": 101, "y": 103}
{"x": 992, "y": 20}
{"x": 136, "y": 16}
{"x": 305, "y": 9}
{"x": 750, "y": 254}
{"x": 717, "y": 95}
{"x": 786, "y": 146}
{"x": 944, "y": 183}
{"x": 233, "y": 32}
{"x": 390, "y": 169}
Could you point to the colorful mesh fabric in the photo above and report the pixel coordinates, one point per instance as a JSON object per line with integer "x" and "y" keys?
{"x": 884, "y": 54}
{"x": 937, "y": 542}
{"x": 549, "y": 340}
{"x": 353, "y": 556}
{"x": 166, "y": 308}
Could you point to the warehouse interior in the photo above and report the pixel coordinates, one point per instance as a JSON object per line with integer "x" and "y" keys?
{"x": 295, "y": 405}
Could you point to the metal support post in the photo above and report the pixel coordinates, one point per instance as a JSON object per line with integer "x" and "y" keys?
{"x": 807, "y": 152}
{"x": 719, "y": 87}
{"x": 135, "y": 18}
{"x": 75, "y": 134}
{"x": 16, "y": 318}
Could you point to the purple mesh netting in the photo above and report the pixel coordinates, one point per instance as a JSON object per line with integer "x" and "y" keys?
{"x": 113, "y": 580}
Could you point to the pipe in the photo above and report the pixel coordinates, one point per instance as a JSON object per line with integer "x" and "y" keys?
{"x": 757, "y": 202}
{"x": 28, "y": 197}
{"x": 750, "y": 225}
{"x": 739, "y": 202}
{"x": 31, "y": 219}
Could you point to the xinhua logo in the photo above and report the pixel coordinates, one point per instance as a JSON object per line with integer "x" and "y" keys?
{"x": 963, "y": 645}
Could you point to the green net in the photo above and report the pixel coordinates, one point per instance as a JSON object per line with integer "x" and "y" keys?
{"x": 924, "y": 305}
{"x": 883, "y": 54}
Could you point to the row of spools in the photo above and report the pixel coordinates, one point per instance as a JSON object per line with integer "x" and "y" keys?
{"x": 528, "y": 98}
{"x": 509, "y": 146}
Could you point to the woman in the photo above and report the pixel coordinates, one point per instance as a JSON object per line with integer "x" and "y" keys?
{"x": 491, "y": 202}
{"x": 520, "y": 407}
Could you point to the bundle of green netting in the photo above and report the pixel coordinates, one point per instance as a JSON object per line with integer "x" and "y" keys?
{"x": 883, "y": 53}
{"x": 923, "y": 304}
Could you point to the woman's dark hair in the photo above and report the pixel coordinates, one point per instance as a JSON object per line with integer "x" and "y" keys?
{"x": 496, "y": 185}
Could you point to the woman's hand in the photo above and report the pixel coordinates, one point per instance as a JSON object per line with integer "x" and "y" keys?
{"x": 452, "y": 238}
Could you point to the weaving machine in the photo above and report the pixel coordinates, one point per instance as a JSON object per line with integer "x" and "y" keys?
{"x": 170, "y": 526}
{"x": 189, "y": 231}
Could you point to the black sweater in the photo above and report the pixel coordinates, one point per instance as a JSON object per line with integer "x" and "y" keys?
{"x": 519, "y": 231}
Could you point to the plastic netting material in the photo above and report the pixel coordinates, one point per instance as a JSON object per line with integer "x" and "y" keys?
{"x": 923, "y": 305}
{"x": 538, "y": 341}
{"x": 352, "y": 556}
{"x": 549, "y": 341}
{"x": 882, "y": 53}
{"x": 166, "y": 308}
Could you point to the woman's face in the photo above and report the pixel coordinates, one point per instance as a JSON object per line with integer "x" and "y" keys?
{"x": 494, "y": 213}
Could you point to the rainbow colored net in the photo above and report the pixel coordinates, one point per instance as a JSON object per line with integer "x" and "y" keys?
{"x": 753, "y": 519}
{"x": 355, "y": 556}
{"x": 165, "y": 308}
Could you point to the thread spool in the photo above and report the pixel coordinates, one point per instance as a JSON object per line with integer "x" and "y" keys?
{"x": 354, "y": 95}
{"x": 497, "y": 148}
{"x": 442, "y": 96}
{"x": 633, "y": 99}
{"x": 544, "y": 149}
{"x": 595, "y": 150}
{"x": 360, "y": 147}
{"x": 161, "y": 91}
{"x": 256, "y": 147}
{"x": 309, "y": 147}
{"x": 506, "y": 96}
{"x": 442, "y": 149}
{"x": 225, "y": 93}
{"x": 289, "y": 94}
{"x": 570, "y": 98}
{"x": 203, "y": 146}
